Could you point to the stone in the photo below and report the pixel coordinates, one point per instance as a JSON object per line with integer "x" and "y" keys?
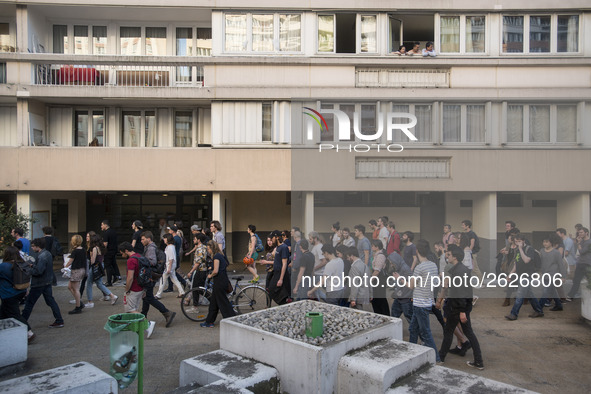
{"x": 13, "y": 336}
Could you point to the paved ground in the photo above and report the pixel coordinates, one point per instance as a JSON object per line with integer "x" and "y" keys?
{"x": 547, "y": 355}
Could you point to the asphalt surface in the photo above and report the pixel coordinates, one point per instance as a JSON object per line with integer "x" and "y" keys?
{"x": 547, "y": 355}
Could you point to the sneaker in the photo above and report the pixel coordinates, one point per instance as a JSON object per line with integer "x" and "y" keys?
{"x": 56, "y": 325}
{"x": 73, "y": 302}
{"x": 167, "y": 291}
{"x": 440, "y": 362}
{"x": 556, "y": 309}
{"x": 537, "y": 314}
{"x": 169, "y": 317}
{"x": 456, "y": 350}
{"x": 465, "y": 347}
{"x": 568, "y": 299}
{"x": 511, "y": 317}
{"x": 114, "y": 301}
{"x": 108, "y": 284}
{"x": 75, "y": 311}
{"x": 106, "y": 298}
{"x": 207, "y": 325}
{"x": 255, "y": 280}
{"x": 89, "y": 305}
{"x": 30, "y": 337}
{"x": 476, "y": 365}
{"x": 150, "y": 329}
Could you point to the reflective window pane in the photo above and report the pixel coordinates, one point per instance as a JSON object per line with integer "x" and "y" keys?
{"x": 81, "y": 41}
{"x": 204, "y": 41}
{"x": 566, "y": 127}
{"x": 60, "y": 39}
{"x": 539, "y": 34}
{"x": 99, "y": 40}
{"x": 290, "y": 33}
{"x": 156, "y": 41}
{"x": 568, "y": 33}
{"x": 262, "y": 33}
{"x": 325, "y": 33}
{"x": 184, "y": 41}
{"x": 539, "y": 123}
{"x": 81, "y": 131}
{"x": 514, "y": 123}
{"x": 267, "y": 122}
{"x": 130, "y": 41}
{"x": 450, "y": 34}
{"x": 183, "y": 129}
{"x": 512, "y": 34}
{"x": 98, "y": 128}
{"x": 131, "y": 128}
{"x": 369, "y": 33}
{"x": 475, "y": 34}
{"x": 452, "y": 123}
{"x": 235, "y": 33}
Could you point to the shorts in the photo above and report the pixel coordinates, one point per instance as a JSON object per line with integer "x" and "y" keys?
{"x": 77, "y": 275}
{"x": 134, "y": 301}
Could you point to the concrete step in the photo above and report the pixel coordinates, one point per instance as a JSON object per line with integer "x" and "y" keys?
{"x": 221, "y": 386}
{"x": 222, "y": 366}
{"x": 441, "y": 380}
{"x": 374, "y": 368}
{"x": 79, "y": 378}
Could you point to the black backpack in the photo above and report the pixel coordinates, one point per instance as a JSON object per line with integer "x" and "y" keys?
{"x": 144, "y": 276}
{"x": 476, "y": 248}
{"x": 158, "y": 269}
{"x": 21, "y": 275}
{"x": 56, "y": 248}
{"x": 536, "y": 260}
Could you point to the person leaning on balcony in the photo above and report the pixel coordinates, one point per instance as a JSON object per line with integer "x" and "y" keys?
{"x": 401, "y": 51}
{"x": 429, "y": 50}
{"x": 415, "y": 49}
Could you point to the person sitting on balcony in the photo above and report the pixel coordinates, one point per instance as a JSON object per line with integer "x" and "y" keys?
{"x": 429, "y": 50}
{"x": 415, "y": 49}
{"x": 401, "y": 51}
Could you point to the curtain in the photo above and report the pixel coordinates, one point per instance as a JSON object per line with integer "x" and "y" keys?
{"x": 566, "y": 119}
{"x": 81, "y": 137}
{"x": 423, "y": 128}
{"x": 512, "y": 34}
{"x": 450, "y": 34}
{"x": 325, "y": 33}
{"x": 150, "y": 135}
{"x": 475, "y": 33}
{"x": 262, "y": 33}
{"x": 397, "y": 134}
{"x": 60, "y": 39}
{"x": 369, "y": 34}
{"x": 235, "y": 33}
{"x": 514, "y": 123}
{"x": 475, "y": 123}
{"x": 131, "y": 128}
{"x": 452, "y": 123}
{"x": 183, "y": 130}
{"x": 568, "y": 33}
{"x": 539, "y": 123}
{"x": 290, "y": 33}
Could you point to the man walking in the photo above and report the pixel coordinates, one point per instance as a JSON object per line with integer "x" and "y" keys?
{"x": 19, "y": 235}
{"x": 584, "y": 261}
{"x": 110, "y": 260}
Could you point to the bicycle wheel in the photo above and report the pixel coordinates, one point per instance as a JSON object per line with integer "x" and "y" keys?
{"x": 199, "y": 312}
{"x": 252, "y": 298}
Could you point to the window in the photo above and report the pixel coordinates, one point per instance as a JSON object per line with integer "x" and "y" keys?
{"x": 192, "y": 41}
{"x": 540, "y": 33}
{"x": 424, "y": 126}
{"x": 464, "y": 123}
{"x": 6, "y": 41}
{"x": 462, "y": 34}
{"x": 99, "y": 40}
{"x": 326, "y": 33}
{"x": 541, "y": 123}
{"x": 81, "y": 40}
{"x": 347, "y": 33}
{"x": 263, "y": 33}
{"x": 137, "y": 41}
{"x": 86, "y": 39}
{"x": 89, "y": 127}
{"x": 155, "y": 41}
{"x": 369, "y": 34}
{"x": 183, "y": 129}
{"x": 184, "y": 47}
{"x": 267, "y": 121}
{"x": 130, "y": 41}
{"x": 509, "y": 200}
{"x": 60, "y": 39}
{"x": 139, "y": 129}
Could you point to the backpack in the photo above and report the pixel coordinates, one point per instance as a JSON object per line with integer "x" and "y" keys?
{"x": 56, "y": 248}
{"x": 536, "y": 259}
{"x": 144, "y": 276}
{"x": 258, "y": 247}
{"x": 185, "y": 245}
{"x": 476, "y": 248}
{"x": 21, "y": 275}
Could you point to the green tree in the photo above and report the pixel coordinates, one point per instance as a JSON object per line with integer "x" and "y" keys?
{"x": 10, "y": 219}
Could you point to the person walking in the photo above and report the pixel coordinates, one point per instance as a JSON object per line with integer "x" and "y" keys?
{"x": 219, "y": 299}
{"x": 110, "y": 242}
{"x": 77, "y": 265}
{"x": 169, "y": 270}
{"x": 95, "y": 256}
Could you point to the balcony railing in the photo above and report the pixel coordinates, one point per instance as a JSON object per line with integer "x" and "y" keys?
{"x": 118, "y": 75}
{"x": 401, "y": 78}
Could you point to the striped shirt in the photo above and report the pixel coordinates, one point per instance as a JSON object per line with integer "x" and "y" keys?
{"x": 422, "y": 295}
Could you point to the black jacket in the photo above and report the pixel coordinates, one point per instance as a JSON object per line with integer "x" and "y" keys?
{"x": 42, "y": 274}
{"x": 459, "y": 297}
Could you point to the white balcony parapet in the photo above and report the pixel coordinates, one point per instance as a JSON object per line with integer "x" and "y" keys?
{"x": 118, "y": 75}
{"x": 401, "y": 78}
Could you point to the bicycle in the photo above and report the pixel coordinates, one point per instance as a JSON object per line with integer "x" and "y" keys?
{"x": 244, "y": 299}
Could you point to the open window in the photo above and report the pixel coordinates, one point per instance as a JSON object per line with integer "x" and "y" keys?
{"x": 406, "y": 29}
{"x": 347, "y": 33}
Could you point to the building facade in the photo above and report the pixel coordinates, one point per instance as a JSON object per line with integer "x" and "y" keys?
{"x": 196, "y": 111}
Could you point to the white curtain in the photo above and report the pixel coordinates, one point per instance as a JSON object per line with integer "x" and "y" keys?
{"x": 423, "y": 128}
{"x": 236, "y": 33}
{"x": 568, "y": 33}
{"x": 539, "y": 123}
{"x": 475, "y": 123}
{"x": 566, "y": 128}
{"x": 475, "y": 33}
{"x": 452, "y": 123}
{"x": 369, "y": 33}
{"x": 131, "y": 129}
{"x": 151, "y": 129}
{"x": 183, "y": 129}
{"x": 262, "y": 33}
{"x": 514, "y": 123}
{"x": 325, "y": 33}
{"x": 397, "y": 135}
{"x": 290, "y": 33}
{"x": 450, "y": 34}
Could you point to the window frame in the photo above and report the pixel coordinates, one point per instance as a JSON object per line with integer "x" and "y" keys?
{"x": 249, "y": 33}
{"x": 194, "y": 125}
{"x": 580, "y": 109}
{"x": 462, "y": 50}
{"x": 553, "y": 34}
{"x": 90, "y": 132}
{"x": 358, "y": 16}
{"x": 72, "y": 37}
{"x": 169, "y": 48}
{"x": 11, "y": 34}
{"x": 142, "y": 137}
{"x": 464, "y": 123}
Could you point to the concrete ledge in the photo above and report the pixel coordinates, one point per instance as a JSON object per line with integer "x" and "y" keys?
{"x": 221, "y": 366}
{"x": 13, "y": 342}
{"x": 442, "y": 380}
{"x": 374, "y": 368}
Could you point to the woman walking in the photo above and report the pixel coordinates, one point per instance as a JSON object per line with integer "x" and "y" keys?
{"x": 219, "y": 299}
{"x": 252, "y": 253}
{"x": 95, "y": 254}
{"x": 77, "y": 264}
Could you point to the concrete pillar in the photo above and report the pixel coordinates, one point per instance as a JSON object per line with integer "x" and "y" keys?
{"x": 308, "y": 224}
{"x": 23, "y": 204}
{"x": 22, "y": 122}
{"x": 22, "y": 28}
{"x": 573, "y": 208}
{"x": 484, "y": 224}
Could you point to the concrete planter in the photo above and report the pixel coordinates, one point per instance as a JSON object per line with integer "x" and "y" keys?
{"x": 585, "y": 301}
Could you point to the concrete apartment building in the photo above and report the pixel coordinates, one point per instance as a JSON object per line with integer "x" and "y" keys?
{"x": 195, "y": 110}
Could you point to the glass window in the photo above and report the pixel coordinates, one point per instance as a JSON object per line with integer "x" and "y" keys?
{"x": 326, "y": 33}
{"x": 539, "y": 123}
{"x": 156, "y": 41}
{"x": 203, "y": 41}
{"x": 151, "y": 138}
{"x": 236, "y": 40}
{"x": 397, "y": 134}
{"x": 450, "y": 34}
{"x": 131, "y": 128}
{"x": 81, "y": 130}
{"x": 267, "y": 122}
{"x": 539, "y": 33}
{"x": 5, "y": 42}
{"x": 566, "y": 123}
{"x": 349, "y": 109}
{"x": 512, "y": 34}
{"x": 514, "y": 123}
{"x": 183, "y": 129}
{"x": 424, "y": 123}
{"x": 369, "y": 33}
{"x": 368, "y": 119}
{"x": 475, "y": 34}
{"x": 60, "y": 39}
{"x": 475, "y": 123}
{"x": 262, "y": 33}
{"x": 290, "y": 32}
{"x": 98, "y": 127}
{"x": 99, "y": 40}
{"x": 130, "y": 41}
{"x": 81, "y": 41}
{"x": 184, "y": 41}
{"x": 452, "y": 123}
{"x": 328, "y": 135}
{"x": 568, "y": 33}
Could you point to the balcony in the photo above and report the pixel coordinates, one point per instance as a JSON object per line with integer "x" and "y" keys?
{"x": 371, "y": 77}
{"x": 128, "y": 75}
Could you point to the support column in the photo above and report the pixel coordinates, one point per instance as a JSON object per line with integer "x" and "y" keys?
{"x": 22, "y": 122}
{"x": 484, "y": 224}
{"x": 308, "y": 214}
{"x": 571, "y": 209}
{"x": 23, "y": 205}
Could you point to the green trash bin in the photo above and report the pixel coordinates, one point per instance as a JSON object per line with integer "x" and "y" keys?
{"x": 127, "y": 348}
{"x": 314, "y": 324}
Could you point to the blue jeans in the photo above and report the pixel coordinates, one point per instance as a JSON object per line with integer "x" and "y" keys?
{"x": 47, "y": 294}
{"x": 398, "y": 308}
{"x": 420, "y": 325}
{"x": 523, "y": 293}
{"x": 99, "y": 283}
{"x": 550, "y": 293}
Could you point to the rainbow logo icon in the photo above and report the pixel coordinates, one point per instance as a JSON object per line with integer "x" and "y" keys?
{"x": 318, "y": 118}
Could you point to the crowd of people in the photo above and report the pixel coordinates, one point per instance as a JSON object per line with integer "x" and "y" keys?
{"x": 297, "y": 268}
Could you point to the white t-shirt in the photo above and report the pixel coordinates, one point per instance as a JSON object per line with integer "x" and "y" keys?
{"x": 383, "y": 236}
{"x": 468, "y": 258}
{"x": 335, "y": 267}
{"x": 170, "y": 253}
{"x": 317, "y": 252}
